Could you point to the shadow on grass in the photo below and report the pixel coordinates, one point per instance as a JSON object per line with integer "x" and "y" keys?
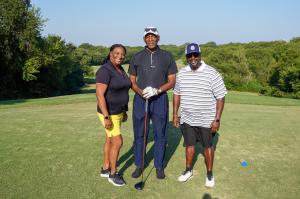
{"x": 91, "y": 90}
{"x": 173, "y": 137}
{"x": 129, "y": 157}
{"x": 10, "y": 102}
{"x": 208, "y": 196}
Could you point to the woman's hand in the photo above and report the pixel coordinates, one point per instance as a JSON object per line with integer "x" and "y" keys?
{"x": 107, "y": 123}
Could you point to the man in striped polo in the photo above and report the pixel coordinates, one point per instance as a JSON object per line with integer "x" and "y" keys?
{"x": 200, "y": 91}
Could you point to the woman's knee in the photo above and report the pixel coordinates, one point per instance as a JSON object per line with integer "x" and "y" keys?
{"x": 117, "y": 141}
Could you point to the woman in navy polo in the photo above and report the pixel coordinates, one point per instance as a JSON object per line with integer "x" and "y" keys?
{"x": 112, "y": 86}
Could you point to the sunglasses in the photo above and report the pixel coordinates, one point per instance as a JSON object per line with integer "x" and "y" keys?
{"x": 150, "y": 29}
{"x": 192, "y": 55}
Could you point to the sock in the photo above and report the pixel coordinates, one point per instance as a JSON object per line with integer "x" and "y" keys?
{"x": 209, "y": 175}
{"x": 105, "y": 169}
{"x": 188, "y": 168}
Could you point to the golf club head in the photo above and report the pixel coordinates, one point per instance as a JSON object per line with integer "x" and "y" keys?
{"x": 139, "y": 185}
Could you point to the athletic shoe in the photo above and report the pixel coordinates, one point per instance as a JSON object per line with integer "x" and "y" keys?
{"x": 105, "y": 172}
{"x": 187, "y": 174}
{"x": 160, "y": 174}
{"x": 137, "y": 173}
{"x": 210, "y": 183}
{"x": 116, "y": 180}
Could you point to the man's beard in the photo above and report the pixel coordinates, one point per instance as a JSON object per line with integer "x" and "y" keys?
{"x": 195, "y": 67}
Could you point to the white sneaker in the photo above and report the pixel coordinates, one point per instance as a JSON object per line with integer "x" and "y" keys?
{"x": 210, "y": 183}
{"x": 187, "y": 174}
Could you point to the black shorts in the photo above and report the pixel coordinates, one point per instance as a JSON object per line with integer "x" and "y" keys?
{"x": 194, "y": 134}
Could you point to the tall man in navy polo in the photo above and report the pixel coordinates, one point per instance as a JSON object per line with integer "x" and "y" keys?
{"x": 152, "y": 72}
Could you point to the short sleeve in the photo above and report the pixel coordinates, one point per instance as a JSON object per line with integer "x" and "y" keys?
{"x": 172, "y": 69}
{"x": 218, "y": 86}
{"x": 132, "y": 67}
{"x": 102, "y": 76}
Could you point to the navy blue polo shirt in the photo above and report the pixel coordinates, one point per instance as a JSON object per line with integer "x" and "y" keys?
{"x": 152, "y": 68}
{"x": 118, "y": 84}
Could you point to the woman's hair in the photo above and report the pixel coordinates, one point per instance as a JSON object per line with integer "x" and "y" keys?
{"x": 111, "y": 49}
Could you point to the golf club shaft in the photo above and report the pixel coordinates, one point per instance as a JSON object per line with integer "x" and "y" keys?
{"x": 145, "y": 132}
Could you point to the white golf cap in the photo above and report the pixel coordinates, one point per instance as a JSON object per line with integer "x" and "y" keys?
{"x": 150, "y": 30}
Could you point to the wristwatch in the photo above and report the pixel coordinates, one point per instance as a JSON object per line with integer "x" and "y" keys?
{"x": 217, "y": 120}
{"x": 106, "y": 117}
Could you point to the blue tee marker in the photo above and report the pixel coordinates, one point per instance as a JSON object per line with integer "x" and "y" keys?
{"x": 244, "y": 163}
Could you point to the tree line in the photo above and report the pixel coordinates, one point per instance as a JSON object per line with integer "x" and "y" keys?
{"x": 36, "y": 66}
{"x": 269, "y": 68}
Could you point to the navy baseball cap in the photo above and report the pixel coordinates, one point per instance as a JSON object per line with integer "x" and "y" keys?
{"x": 192, "y": 48}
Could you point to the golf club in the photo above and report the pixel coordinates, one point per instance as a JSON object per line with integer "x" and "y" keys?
{"x": 140, "y": 185}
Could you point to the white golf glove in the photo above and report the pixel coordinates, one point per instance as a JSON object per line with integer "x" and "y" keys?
{"x": 149, "y": 92}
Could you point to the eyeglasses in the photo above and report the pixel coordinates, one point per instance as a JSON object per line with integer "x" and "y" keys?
{"x": 150, "y": 29}
{"x": 192, "y": 55}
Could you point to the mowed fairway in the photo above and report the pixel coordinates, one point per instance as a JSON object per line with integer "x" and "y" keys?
{"x": 52, "y": 148}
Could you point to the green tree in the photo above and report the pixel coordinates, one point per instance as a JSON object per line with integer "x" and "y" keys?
{"x": 20, "y": 25}
{"x": 57, "y": 71}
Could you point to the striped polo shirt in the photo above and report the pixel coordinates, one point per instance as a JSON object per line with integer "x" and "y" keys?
{"x": 198, "y": 92}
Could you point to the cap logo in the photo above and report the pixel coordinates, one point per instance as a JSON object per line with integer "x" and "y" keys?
{"x": 192, "y": 47}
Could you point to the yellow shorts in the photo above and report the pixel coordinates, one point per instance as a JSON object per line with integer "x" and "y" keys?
{"x": 116, "y": 127}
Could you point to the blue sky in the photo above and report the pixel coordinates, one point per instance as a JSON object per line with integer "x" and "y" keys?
{"x": 105, "y": 22}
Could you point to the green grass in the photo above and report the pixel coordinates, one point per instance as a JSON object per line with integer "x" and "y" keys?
{"x": 256, "y": 99}
{"x": 52, "y": 148}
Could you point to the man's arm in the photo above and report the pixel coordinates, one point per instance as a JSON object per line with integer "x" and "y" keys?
{"x": 176, "y": 103}
{"x": 215, "y": 125}
{"x": 134, "y": 85}
{"x": 170, "y": 84}
{"x": 149, "y": 91}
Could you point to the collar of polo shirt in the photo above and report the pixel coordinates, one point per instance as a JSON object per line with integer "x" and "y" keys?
{"x": 200, "y": 69}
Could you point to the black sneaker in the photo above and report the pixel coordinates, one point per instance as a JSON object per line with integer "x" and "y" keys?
{"x": 160, "y": 174}
{"x": 116, "y": 180}
{"x": 137, "y": 173}
{"x": 105, "y": 172}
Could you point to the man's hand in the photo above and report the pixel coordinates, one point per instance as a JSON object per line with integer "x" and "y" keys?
{"x": 176, "y": 121}
{"x": 149, "y": 92}
{"x": 215, "y": 125}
